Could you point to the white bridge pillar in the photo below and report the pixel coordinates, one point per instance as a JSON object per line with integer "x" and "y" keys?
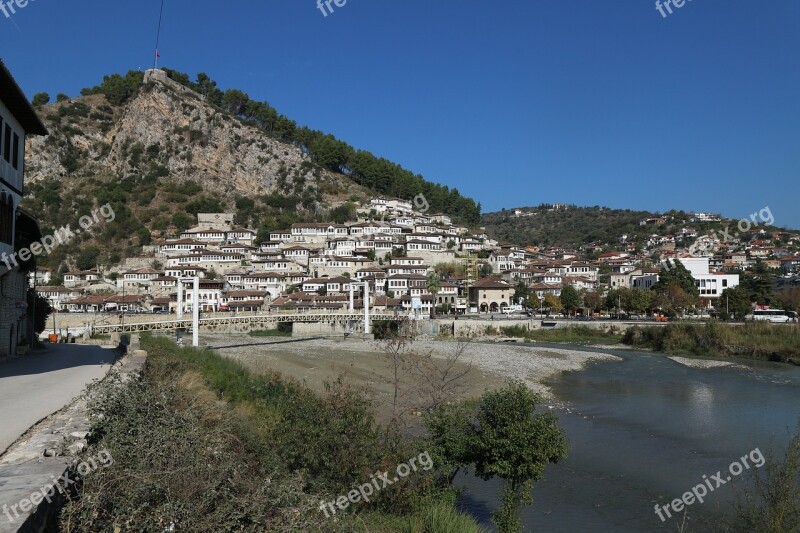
{"x": 179, "y": 308}
{"x": 195, "y": 306}
{"x": 366, "y": 308}
{"x": 196, "y": 314}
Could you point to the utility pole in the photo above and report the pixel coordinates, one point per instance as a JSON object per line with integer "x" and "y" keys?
{"x": 33, "y": 311}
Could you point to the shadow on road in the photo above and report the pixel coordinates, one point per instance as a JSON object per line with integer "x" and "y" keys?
{"x": 54, "y": 357}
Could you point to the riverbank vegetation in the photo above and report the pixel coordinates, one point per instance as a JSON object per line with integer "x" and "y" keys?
{"x": 202, "y": 444}
{"x": 762, "y": 341}
{"x": 572, "y": 334}
{"x": 771, "y": 502}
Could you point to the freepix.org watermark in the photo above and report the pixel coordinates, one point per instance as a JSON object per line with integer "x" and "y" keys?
{"x": 709, "y": 485}
{"x": 326, "y": 6}
{"x": 666, "y": 7}
{"x": 726, "y": 235}
{"x": 376, "y": 484}
{"x": 61, "y": 485}
{"x": 9, "y": 7}
{"x": 60, "y": 236}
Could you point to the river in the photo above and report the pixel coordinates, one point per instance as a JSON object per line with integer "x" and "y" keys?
{"x": 645, "y": 430}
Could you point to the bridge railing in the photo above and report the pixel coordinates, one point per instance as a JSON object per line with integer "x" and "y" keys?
{"x": 186, "y": 323}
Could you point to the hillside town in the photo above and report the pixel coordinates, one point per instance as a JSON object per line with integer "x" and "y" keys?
{"x": 393, "y": 249}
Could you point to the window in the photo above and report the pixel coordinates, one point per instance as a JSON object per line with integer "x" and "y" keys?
{"x": 7, "y": 144}
{"x": 15, "y": 152}
{"x": 6, "y": 218}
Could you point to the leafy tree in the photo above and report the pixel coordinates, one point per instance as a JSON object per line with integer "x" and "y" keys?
{"x": 118, "y": 89}
{"x": 181, "y": 221}
{"x": 514, "y": 443}
{"x": 208, "y": 88}
{"x": 552, "y": 302}
{"x": 61, "y": 97}
{"x": 674, "y": 299}
{"x": 790, "y": 299}
{"x": 736, "y": 301}
{"x": 533, "y": 301}
{"x": 485, "y": 270}
{"x": 343, "y": 213}
{"x": 87, "y": 258}
{"x": 614, "y": 298}
{"x": 234, "y": 101}
{"x": 41, "y": 306}
{"x": 244, "y": 210}
{"x": 521, "y": 293}
{"x": 570, "y": 299}
{"x": 448, "y": 270}
{"x": 204, "y": 204}
{"x": 144, "y": 236}
{"x": 593, "y": 300}
{"x": 640, "y": 300}
{"x": 760, "y": 285}
{"x": 40, "y": 99}
{"x": 674, "y": 273}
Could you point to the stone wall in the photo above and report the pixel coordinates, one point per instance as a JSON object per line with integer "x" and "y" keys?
{"x": 13, "y": 286}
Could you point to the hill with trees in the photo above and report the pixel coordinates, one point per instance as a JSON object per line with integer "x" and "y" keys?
{"x": 162, "y": 148}
{"x": 568, "y": 226}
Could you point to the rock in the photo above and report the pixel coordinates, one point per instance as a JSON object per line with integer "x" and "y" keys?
{"x": 77, "y": 447}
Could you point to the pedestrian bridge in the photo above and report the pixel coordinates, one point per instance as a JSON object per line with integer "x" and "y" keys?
{"x": 252, "y": 321}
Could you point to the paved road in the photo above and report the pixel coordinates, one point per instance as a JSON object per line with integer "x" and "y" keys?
{"x": 39, "y": 384}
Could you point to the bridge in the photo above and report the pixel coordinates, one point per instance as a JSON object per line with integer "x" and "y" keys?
{"x": 252, "y": 321}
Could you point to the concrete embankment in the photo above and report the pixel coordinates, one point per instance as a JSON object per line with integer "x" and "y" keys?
{"x": 38, "y": 469}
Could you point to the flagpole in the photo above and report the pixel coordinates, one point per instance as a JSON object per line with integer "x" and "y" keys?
{"x": 158, "y": 35}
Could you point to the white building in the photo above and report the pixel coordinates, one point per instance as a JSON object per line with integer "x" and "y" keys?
{"x": 17, "y": 228}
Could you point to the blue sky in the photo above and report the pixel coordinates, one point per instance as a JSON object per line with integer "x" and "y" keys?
{"x": 514, "y": 102}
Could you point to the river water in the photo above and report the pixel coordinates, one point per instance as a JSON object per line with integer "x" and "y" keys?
{"x": 645, "y": 430}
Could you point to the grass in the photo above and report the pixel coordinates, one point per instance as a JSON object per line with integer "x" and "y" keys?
{"x": 440, "y": 518}
{"x": 572, "y": 334}
{"x": 761, "y": 341}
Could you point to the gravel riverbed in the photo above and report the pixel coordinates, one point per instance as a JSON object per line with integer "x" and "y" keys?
{"x": 311, "y": 360}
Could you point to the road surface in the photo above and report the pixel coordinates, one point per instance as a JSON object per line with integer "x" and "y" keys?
{"x": 42, "y": 382}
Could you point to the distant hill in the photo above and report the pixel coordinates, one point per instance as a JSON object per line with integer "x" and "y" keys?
{"x": 568, "y": 226}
